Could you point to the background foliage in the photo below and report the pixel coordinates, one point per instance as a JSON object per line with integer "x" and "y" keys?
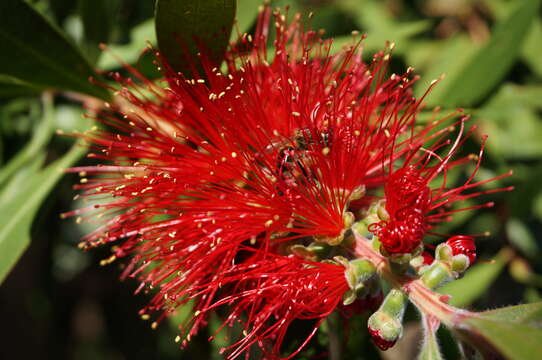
{"x": 58, "y": 303}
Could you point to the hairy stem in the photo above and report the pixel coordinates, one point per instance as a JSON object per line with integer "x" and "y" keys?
{"x": 426, "y": 300}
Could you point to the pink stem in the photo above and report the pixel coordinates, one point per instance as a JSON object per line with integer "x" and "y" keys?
{"x": 426, "y": 300}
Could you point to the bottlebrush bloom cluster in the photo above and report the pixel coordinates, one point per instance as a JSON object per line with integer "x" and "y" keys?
{"x": 234, "y": 191}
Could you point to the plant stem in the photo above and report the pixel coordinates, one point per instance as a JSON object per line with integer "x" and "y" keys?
{"x": 426, "y": 300}
{"x": 334, "y": 346}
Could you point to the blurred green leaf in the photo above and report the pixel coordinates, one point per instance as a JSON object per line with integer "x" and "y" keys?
{"x": 129, "y": 53}
{"x": 32, "y": 190}
{"x": 532, "y": 51}
{"x": 376, "y": 40}
{"x": 62, "y": 8}
{"x": 537, "y": 205}
{"x": 10, "y": 189}
{"x": 511, "y": 117}
{"x": 70, "y": 119}
{"x": 515, "y": 332}
{"x": 19, "y": 117}
{"x": 515, "y": 132}
{"x": 13, "y": 87}
{"x": 522, "y": 239}
{"x": 247, "y": 11}
{"x": 37, "y": 52}
{"x": 41, "y": 136}
{"x": 523, "y": 95}
{"x": 523, "y": 200}
{"x": 476, "y": 281}
{"x": 522, "y": 272}
{"x": 294, "y": 6}
{"x": 492, "y": 61}
{"x": 375, "y": 20}
{"x": 24, "y": 185}
{"x": 185, "y": 28}
{"x": 532, "y": 295}
{"x": 98, "y": 19}
{"x": 449, "y": 58}
{"x": 422, "y": 53}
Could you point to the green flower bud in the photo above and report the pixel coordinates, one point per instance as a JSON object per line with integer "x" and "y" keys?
{"x": 460, "y": 263}
{"x": 385, "y": 325}
{"x": 443, "y": 252}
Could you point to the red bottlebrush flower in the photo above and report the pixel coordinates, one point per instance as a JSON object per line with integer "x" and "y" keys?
{"x": 462, "y": 244}
{"x": 412, "y": 206}
{"x": 205, "y": 183}
{"x": 273, "y": 291}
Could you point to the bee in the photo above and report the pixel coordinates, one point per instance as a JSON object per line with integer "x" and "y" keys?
{"x": 293, "y": 157}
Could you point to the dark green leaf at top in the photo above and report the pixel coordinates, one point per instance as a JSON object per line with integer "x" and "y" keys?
{"x": 185, "y": 28}
{"x": 35, "y": 51}
{"x": 13, "y": 87}
{"x": 62, "y": 9}
{"x": 98, "y": 19}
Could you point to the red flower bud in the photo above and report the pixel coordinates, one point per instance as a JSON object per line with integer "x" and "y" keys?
{"x": 463, "y": 244}
{"x": 379, "y": 341}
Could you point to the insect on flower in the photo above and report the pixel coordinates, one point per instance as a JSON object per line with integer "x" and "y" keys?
{"x": 234, "y": 191}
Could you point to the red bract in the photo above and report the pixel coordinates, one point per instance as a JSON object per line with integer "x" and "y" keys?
{"x": 207, "y": 182}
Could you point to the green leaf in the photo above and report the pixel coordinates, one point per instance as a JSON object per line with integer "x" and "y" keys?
{"x": 514, "y": 332}
{"x": 449, "y": 57}
{"x": 492, "y": 61}
{"x": 32, "y": 190}
{"x": 508, "y": 140}
{"x": 430, "y": 349}
{"x": 476, "y": 281}
{"x": 62, "y": 9}
{"x": 185, "y": 28}
{"x": 526, "y": 313}
{"x": 129, "y": 53}
{"x": 35, "y": 51}
{"x": 380, "y": 26}
{"x": 98, "y": 20}
{"x": 520, "y": 236}
{"x": 532, "y": 51}
{"x": 41, "y": 136}
{"x": 13, "y": 87}
{"x": 247, "y": 11}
